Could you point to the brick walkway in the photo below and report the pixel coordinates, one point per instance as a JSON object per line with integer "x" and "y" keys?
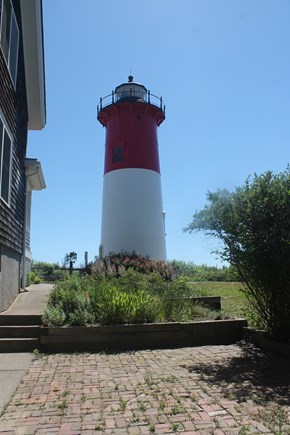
{"x": 202, "y": 390}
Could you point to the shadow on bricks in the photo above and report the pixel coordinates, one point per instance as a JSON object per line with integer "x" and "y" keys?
{"x": 254, "y": 375}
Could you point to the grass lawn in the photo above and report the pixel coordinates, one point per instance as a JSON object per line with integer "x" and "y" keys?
{"x": 232, "y": 298}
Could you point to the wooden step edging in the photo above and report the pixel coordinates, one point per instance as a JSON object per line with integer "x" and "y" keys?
{"x": 19, "y": 344}
{"x": 146, "y": 336}
{"x": 20, "y": 319}
{"x": 19, "y": 332}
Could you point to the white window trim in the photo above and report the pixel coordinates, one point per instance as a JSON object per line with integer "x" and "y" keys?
{"x": 13, "y": 79}
{"x": 5, "y": 128}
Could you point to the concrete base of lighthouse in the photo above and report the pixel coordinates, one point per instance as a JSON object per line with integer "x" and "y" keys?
{"x": 132, "y": 215}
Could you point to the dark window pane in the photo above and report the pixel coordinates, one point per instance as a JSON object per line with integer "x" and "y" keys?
{"x": 6, "y": 167}
{"x": 13, "y": 54}
{"x": 5, "y": 27}
{"x": 117, "y": 154}
{"x": 1, "y": 139}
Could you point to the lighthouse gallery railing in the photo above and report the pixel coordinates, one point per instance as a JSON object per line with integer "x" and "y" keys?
{"x": 145, "y": 97}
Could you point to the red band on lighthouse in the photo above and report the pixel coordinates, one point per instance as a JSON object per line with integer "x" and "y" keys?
{"x": 131, "y": 137}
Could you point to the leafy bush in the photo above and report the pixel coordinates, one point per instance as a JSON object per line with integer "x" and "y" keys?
{"x": 132, "y": 280}
{"x": 254, "y": 225}
{"x": 116, "y": 306}
{"x": 253, "y": 318}
{"x": 53, "y": 315}
{"x": 70, "y": 297}
{"x": 134, "y": 297}
{"x": 47, "y": 271}
{"x": 82, "y": 315}
{"x": 173, "y": 295}
{"x": 200, "y": 312}
{"x": 175, "y": 299}
{"x": 177, "y": 310}
{"x": 33, "y": 278}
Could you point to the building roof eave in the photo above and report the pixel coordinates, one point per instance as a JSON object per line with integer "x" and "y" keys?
{"x": 32, "y": 29}
{"x": 34, "y": 175}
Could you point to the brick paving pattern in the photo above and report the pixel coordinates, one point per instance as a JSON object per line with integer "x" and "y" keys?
{"x": 216, "y": 390}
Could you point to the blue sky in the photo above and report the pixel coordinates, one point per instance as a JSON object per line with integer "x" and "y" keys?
{"x": 223, "y": 70}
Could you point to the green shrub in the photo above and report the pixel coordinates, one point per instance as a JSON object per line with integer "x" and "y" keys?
{"x": 81, "y": 316}
{"x": 33, "y": 278}
{"x": 254, "y": 226}
{"x": 176, "y": 303}
{"x": 117, "y": 306}
{"x": 200, "y": 312}
{"x": 131, "y": 280}
{"x": 254, "y": 320}
{"x": 70, "y": 297}
{"x": 53, "y": 316}
{"x": 177, "y": 310}
{"x": 133, "y": 297}
{"x": 47, "y": 271}
{"x": 177, "y": 289}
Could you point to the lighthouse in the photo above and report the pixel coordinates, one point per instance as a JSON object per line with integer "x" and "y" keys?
{"x": 132, "y": 209}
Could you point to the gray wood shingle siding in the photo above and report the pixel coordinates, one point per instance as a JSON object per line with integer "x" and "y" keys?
{"x": 13, "y": 105}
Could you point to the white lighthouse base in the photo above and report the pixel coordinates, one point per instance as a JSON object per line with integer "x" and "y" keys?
{"x": 132, "y": 215}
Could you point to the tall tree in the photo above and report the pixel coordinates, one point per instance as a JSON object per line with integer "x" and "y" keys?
{"x": 70, "y": 259}
{"x": 253, "y": 223}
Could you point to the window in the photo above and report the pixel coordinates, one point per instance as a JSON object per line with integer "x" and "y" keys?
{"x": 9, "y": 38}
{"x": 117, "y": 154}
{"x": 5, "y": 162}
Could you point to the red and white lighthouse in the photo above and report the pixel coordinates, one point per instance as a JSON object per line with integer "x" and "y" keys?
{"x": 132, "y": 212}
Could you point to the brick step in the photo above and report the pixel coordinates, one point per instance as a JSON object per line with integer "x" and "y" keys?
{"x": 19, "y": 319}
{"x": 8, "y": 345}
{"x": 20, "y": 331}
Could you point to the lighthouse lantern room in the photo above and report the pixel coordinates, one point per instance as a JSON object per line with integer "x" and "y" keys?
{"x": 132, "y": 210}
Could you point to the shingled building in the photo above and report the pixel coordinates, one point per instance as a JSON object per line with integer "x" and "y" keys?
{"x": 22, "y": 108}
